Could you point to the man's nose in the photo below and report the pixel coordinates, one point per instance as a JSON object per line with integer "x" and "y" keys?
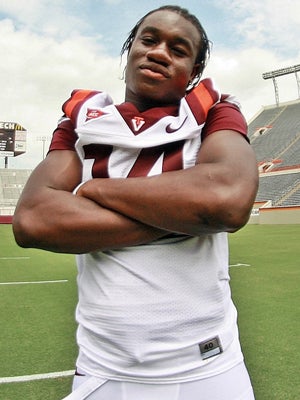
{"x": 160, "y": 53}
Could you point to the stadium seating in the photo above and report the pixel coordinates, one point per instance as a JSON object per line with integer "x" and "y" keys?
{"x": 275, "y": 137}
{"x": 12, "y": 182}
{"x": 278, "y": 187}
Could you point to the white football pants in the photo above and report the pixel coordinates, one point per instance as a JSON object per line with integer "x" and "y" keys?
{"x": 231, "y": 385}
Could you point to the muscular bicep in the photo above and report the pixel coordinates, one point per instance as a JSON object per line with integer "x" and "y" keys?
{"x": 46, "y": 196}
{"x": 60, "y": 170}
{"x": 48, "y": 185}
{"x": 231, "y": 164}
{"x": 219, "y": 145}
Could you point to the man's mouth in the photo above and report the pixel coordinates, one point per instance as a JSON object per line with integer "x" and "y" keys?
{"x": 155, "y": 71}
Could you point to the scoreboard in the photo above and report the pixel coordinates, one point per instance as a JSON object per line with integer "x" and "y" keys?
{"x": 12, "y": 139}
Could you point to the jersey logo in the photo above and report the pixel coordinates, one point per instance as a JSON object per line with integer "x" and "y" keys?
{"x": 93, "y": 113}
{"x": 172, "y": 130}
{"x": 137, "y": 123}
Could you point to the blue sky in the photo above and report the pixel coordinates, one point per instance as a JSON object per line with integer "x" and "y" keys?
{"x": 49, "y": 47}
{"x": 108, "y": 21}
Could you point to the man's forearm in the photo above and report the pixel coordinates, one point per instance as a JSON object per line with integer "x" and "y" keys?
{"x": 171, "y": 201}
{"x": 62, "y": 222}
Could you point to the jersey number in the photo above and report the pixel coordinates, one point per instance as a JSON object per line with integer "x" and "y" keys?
{"x": 172, "y": 159}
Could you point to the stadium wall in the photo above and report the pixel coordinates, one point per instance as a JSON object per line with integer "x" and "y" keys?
{"x": 6, "y": 219}
{"x": 6, "y": 214}
{"x": 265, "y": 215}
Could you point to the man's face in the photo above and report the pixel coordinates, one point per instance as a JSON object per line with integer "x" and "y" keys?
{"x": 161, "y": 61}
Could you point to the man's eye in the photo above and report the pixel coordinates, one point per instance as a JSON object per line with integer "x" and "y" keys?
{"x": 147, "y": 40}
{"x": 179, "y": 51}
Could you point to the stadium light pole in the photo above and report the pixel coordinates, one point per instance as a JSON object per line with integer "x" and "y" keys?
{"x": 43, "y": 139}
{"x": 279, "y": 72}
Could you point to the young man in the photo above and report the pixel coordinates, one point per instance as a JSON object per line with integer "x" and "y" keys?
{"x": 145, "y": 193}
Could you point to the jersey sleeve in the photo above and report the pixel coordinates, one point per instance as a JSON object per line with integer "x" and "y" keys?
{"x": 64, "y": 136}
{"x": 225, "y": 115}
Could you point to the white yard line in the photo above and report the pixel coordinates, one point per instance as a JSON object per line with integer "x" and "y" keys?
{"x": 25, "y": 378}
{"x": 240, "y": 265}
{"x": 14, "y": 258}
{"x": 33, "y": 282}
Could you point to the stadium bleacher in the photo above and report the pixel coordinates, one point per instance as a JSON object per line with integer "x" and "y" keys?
{"x": 275, "y": 137}
{"x": 12, "y": 182}
{"x": 277, "y": 187}
{"x": 293, "y": 198}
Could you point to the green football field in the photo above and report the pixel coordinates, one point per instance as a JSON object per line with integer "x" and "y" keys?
{"x": 38, "y": 299}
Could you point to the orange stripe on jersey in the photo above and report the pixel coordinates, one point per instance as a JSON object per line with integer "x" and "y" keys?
{"x": 204, "y": 97}
{"x": 200, "y": 100}
{"x": 77, "y": 96}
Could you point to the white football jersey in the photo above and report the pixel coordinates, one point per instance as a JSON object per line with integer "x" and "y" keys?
{"x": 160, "y": 312}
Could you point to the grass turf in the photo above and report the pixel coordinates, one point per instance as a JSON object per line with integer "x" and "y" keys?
{"x": 37, "y": 320}
{"x": 38, "y": 328}
{"x": 267, "y": 297}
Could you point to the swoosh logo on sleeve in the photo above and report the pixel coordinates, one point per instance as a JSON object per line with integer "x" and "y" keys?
{"x": 172, "y": 130}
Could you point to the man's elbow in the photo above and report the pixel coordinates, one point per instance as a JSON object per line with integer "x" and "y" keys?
{"x": 23, "y": 230}
{"x": 238, "y": 202}
{"x": 237, "y": 221}
{"x": 237, "y": 214}
{"x": 229, "y": 213}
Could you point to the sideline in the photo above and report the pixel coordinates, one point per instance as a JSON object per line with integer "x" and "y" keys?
{"x": 34, "y": 282}
{"x": 26, "y": 378}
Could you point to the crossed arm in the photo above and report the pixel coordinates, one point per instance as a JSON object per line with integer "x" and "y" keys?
{"x": 48, "y": 216}
{"x": 215, "y": 195}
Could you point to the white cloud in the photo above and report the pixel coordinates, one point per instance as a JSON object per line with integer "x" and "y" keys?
{"x": 37, "y": 75}
{"x": 240, "y": 72}
{"x": 48, "y": 17}
{"x": 268, "y": 23}
{"x": 267, "y": 39}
